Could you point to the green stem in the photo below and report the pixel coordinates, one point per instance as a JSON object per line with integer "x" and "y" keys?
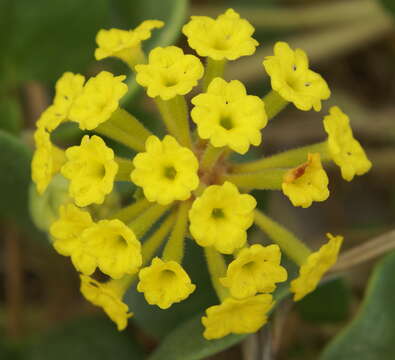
{"x": 274, "y": 103}
{"x": 214, "y": 68}
{"x": 290, "y": 158}
{"x": 217, "y": 268}
{"x": 152, "y": 244}
{"x": 125, "y": 167}
{"x": 210, "y": 157}
{"x": 144, "y": 222}
{"x": 268, "y": 179}
{"x": 126, "y": 129}
{"x": 294, "y": 248}
{"x": 174, "y": 249}
{"x": 175, "y": 115}
{"x": 129, "y": 212}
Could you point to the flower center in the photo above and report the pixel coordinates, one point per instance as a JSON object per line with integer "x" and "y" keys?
{"x": 170, "y": 172}
{"x": 217, "y": 213}
{"x": 226, "y": 123}
{"x": 167, "y": 275}
{"x": 249, "y": 266}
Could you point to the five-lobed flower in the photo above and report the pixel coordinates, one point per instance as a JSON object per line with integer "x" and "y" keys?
{"x": 164, "y": 283}
{"x": 125, "y": 44}
{"x": 315, "y": 266}
{"x": 169, "y": 72}
{"x": 166, "y": 171}
{"x": 238, "y": 316}
{"x": 226, "y": 37}
{"x": 221, "y": 216}
{"x": 227, "y": 116}
{"x": 344, "y": 149}
{"x": 292, "y": 79}
{"x": 306, "y": 183}
{"x": 91, "y": 169}
{"x": 255, "y": 269}
{"x": 98, "y": 100}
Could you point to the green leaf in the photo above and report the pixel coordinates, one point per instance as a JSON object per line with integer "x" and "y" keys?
{"x": 172, "y": 12}
{"x": 87, "y": 338}
{"x": 15, "y": 176}
{"x": 10, "y": 115}
{"x": 389, "y": 5}
{"x": 41, "y": 39}
{"x": 187, "y": 343}
{"x": 158, "y": 322}
{"x": 370, "y": 336}
{"x": 329, "y": 303}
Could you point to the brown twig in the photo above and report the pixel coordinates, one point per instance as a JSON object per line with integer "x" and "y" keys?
{"x": 365, "y": 252}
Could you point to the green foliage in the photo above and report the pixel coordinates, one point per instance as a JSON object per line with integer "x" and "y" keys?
{"x": 370, "y": 336}
{"x": 158, "y": 322}
{"x": 15, "y": 176}
{"x": 43, "y": 38}
{"x": 87, "y": 338}
{"x": 389, "y": 5}
{"x": 187, "y": 343}
{"x": 10, "y": 115}
{"x": 329, "y": 303}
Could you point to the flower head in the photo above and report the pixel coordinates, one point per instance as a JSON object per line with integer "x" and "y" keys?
{"x": 306, "y": 183}
{"x": 169, "y": 72}
{"x": 115, "y": 246}
{"x": 226, "y": 115}
{"x": 47, "y": 160}
{"x": 255, "y": 269}
{"x": 91, "y": 169}
{"x": 227, "y": 37}
{"x": 221, "y": 216}
{"x": 109, "y": 297}
{"x": 124, "y": 44}
{"x": 98, "y": 100}
{"x": 164, "y": 283}
{"x": 293, "y": 80}
{"x": 237, "y": 316}
{"x": 316, "y": 265}
{"x": 166, "y": 171}
{"x": 345, "y": 150}
{"x": 67, "y": 230}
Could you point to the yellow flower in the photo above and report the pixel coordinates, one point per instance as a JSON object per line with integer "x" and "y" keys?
{"x": 124, "y": 44}
{"x": 345, "y": 150}
{"x": 51, "y": 118}
{"x": 109, "y": 297}
{"x": 293, "y": 80}
{"x": 226, "y": 115}
{"x": 47, "y": 160}
{"x": 164, "y": 283}
{"x": 98, "y": 100}
{"x": 169, "y": 72}
{"x": 221, "y": 216}
{"x": 306, "y": 183}
{"x": 91, "y": 169}
{"x": 237, "y": 316}
{"x": 68, "y": 88}
{"x": 166, "y": 171}
{"x": 316, "y": 265}
{"x": 115, "y": 247}
{"x": 67, "y": 233}
{"x": 67, "y": 230}
{"x": 227, "y": 37}
{"x": 255, "y": 269}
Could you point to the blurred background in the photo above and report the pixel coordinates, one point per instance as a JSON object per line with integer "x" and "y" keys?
{"x": 351, "y": 43}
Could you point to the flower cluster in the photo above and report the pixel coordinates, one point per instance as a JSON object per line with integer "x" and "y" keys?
{"x": 189, "y": 185}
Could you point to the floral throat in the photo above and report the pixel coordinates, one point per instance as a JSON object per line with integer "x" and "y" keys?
{"x": 190, "y": 188}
